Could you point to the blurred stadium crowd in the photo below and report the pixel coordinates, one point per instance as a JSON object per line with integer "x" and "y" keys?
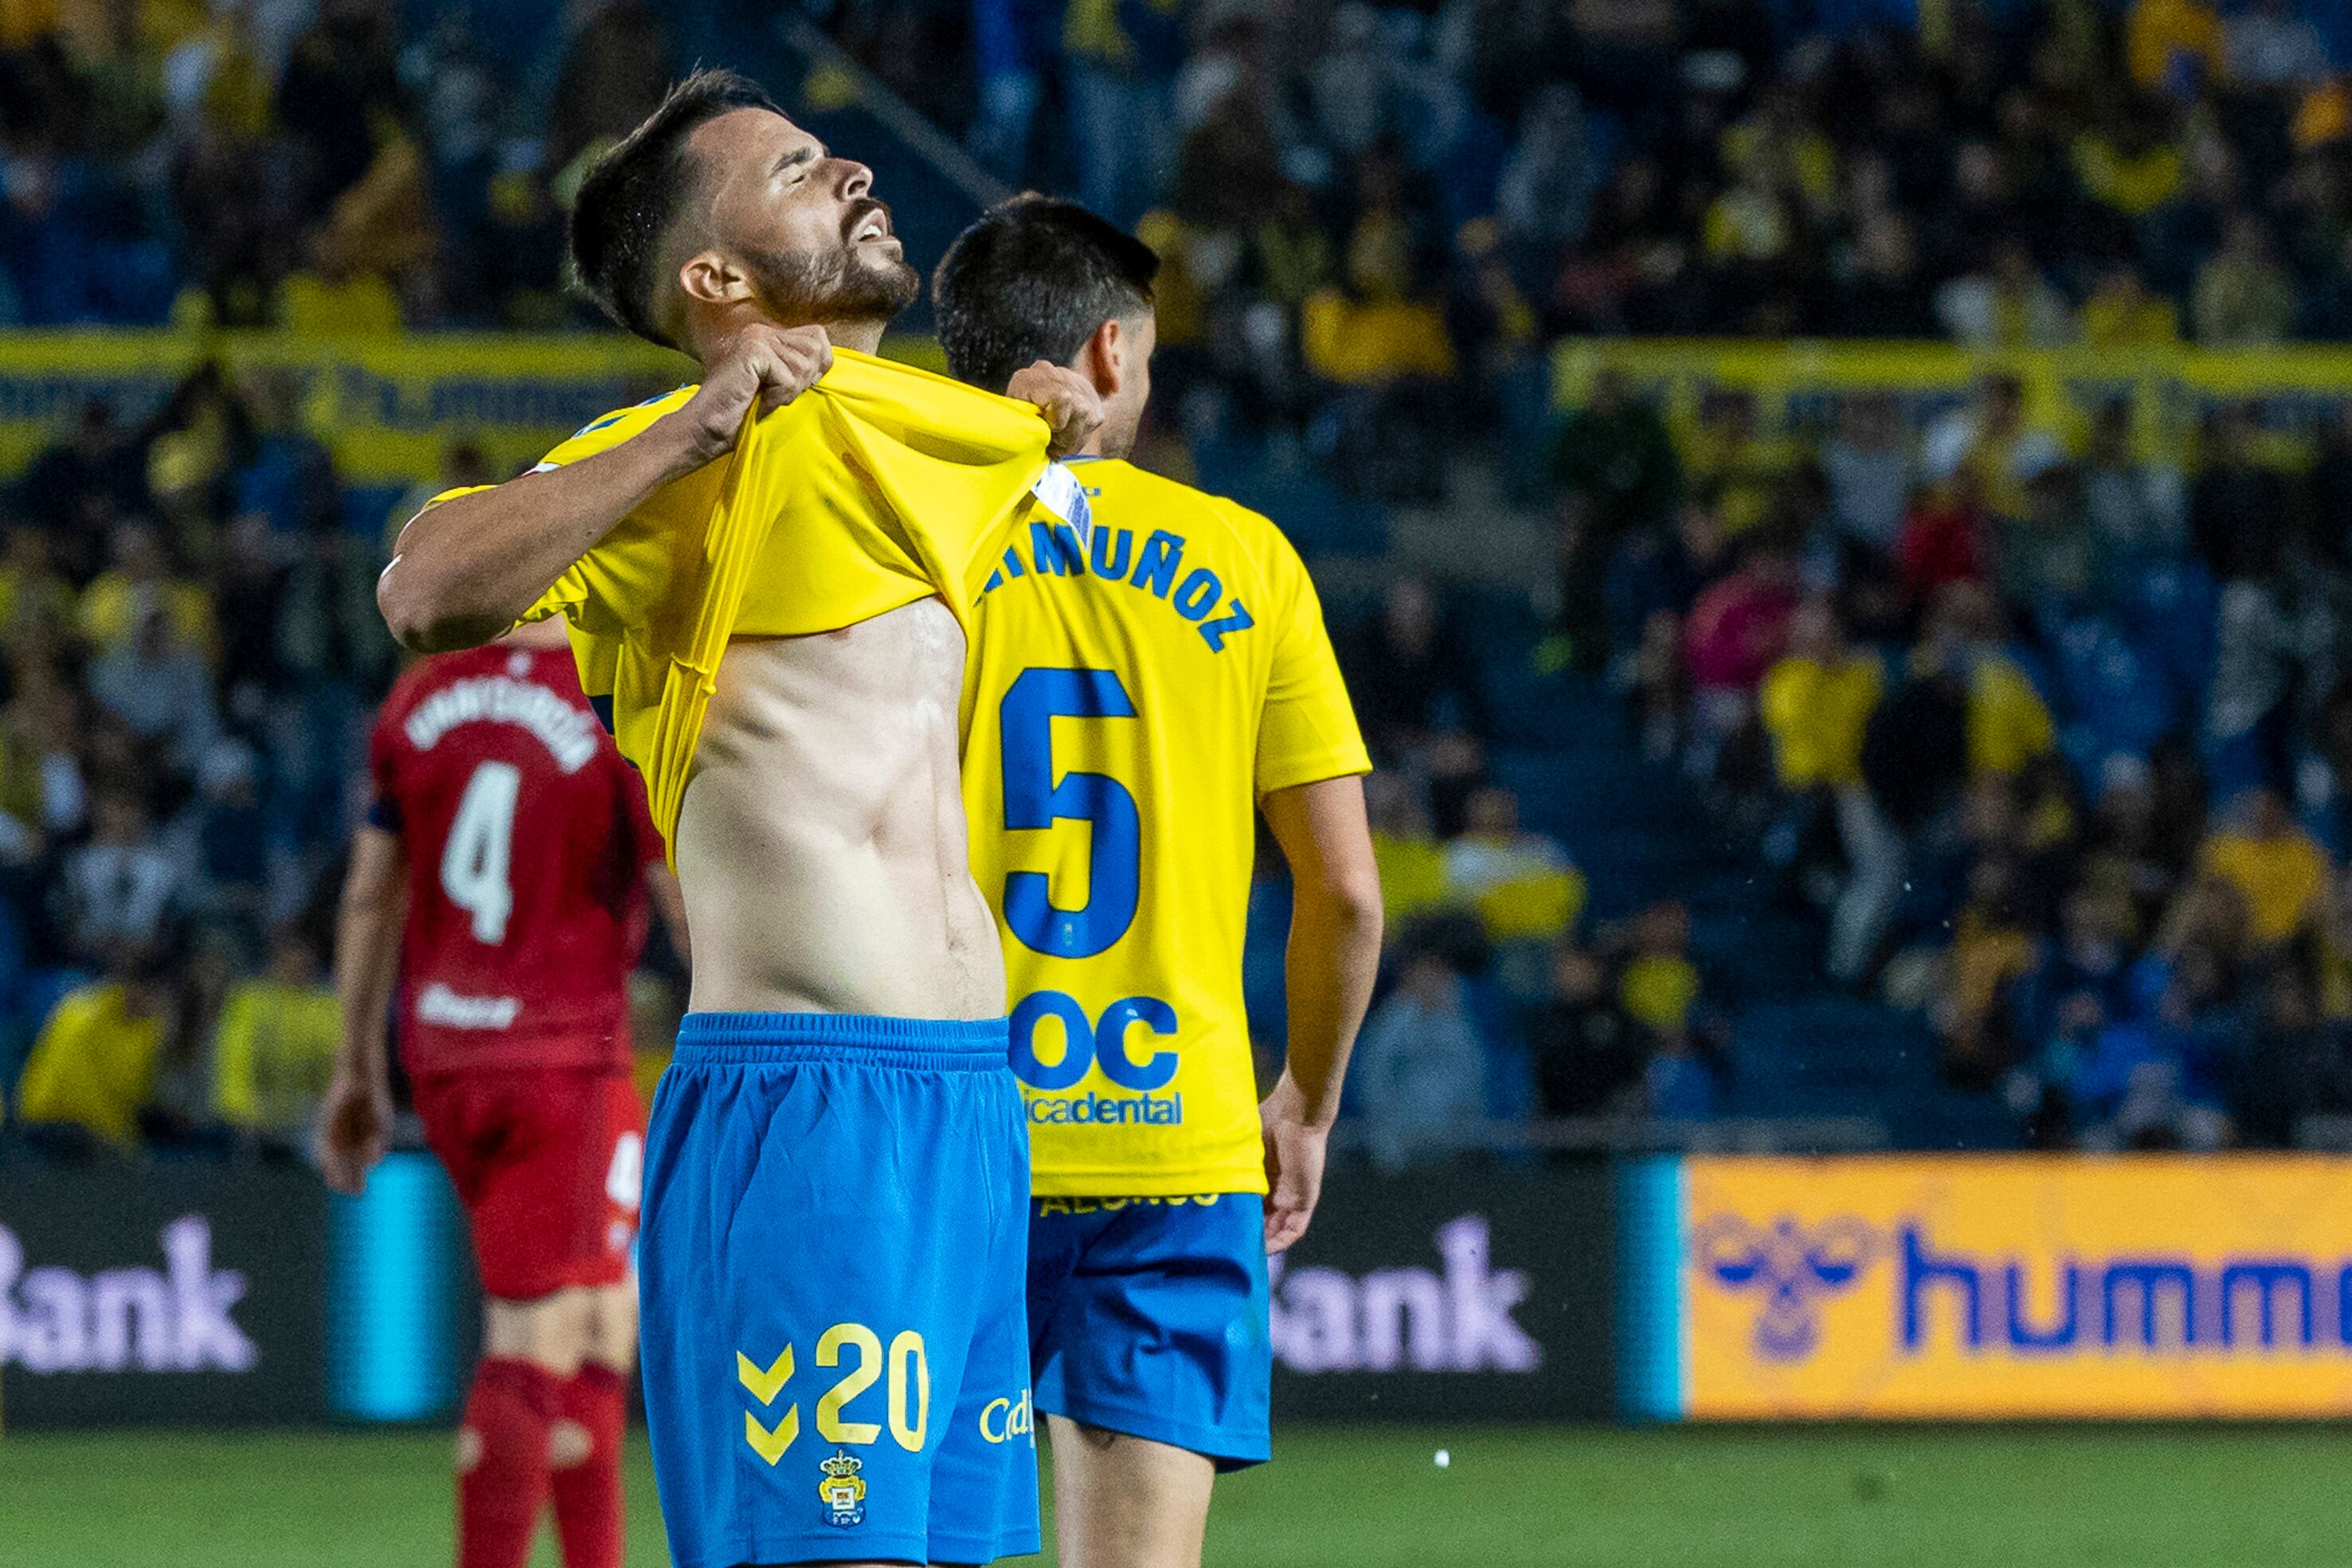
{"x": 2027, "y": 730}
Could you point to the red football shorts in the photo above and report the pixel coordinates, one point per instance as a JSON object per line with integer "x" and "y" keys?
{"x": 548, "y": 1162}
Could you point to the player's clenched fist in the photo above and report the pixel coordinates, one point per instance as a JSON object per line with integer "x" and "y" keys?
{"x": 771, "y": 365}
{"x": 1067, "y": 400}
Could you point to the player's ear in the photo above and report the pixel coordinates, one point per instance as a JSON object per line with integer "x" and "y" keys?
{"x": 707, "y": 276}
{"x": 1103, "y": 359}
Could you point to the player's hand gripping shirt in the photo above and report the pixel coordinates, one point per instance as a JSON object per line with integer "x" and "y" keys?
{"x": 1129, "y": 700}
{"x": 526, "y": 843}
{"x": 880, "y": 486}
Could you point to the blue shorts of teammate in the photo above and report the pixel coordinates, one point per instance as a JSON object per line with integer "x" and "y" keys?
{"x": 1148, "y": 1316}
{"x": 831, "y": 1271}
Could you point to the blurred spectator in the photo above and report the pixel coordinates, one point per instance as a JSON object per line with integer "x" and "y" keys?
{"x": 1986, "y": 451}
{"x": 233, "y": 833}
{"x": 1737, "y": 630}
{"x": 155, "y": 684}
{"x": 2005, "y": 305}
{"x": 1659, "y": 986}
{"x": 1410, "y": 676}
{"x": 2047, "y": 556}
{"x": 1884, "y": 295}
{"x": 1544, "y": 190}
{"x": 2122, "y": 313}
{"x": 140, "y": 583}
{"x": 94, "y": 463}
{"x": 1915, "y": 750}
{"x": 1421, "y": 1068}
{"x": 615, "y": 70}
{"x": 2173, "y": 44}
{"x": 1617, "y": 474}
{"x": 2008, "y": 724}
{"x": 1868, "y": 464}
{"x": 2137, "y": 511}
{"x": 1521, "y": 882}
{"x": 1815, "y": 703}
{"x": 2238, "y": 514}
{"x": 2129, "y": 163}
{"x": 37, "y": 605}
{"x": 2244, "y": 296}
{"x": 1991, "y": 952}
{"x": 274, "y": 1050}
{"x": 1588, "y": 1051}
{"x": 1122, "y": 60}
{"x": 1410, "y": 860}
{"x": 95, "y": 1065}
{"x": 1727, "y": 460}
{"x": 2266, "y": 46}
{"x": 2277, "y": 867}
{"x": 332, "y": 297}
{"x": 119, "y": 891}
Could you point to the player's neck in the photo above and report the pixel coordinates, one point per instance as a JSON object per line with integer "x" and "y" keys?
{"x": 866, "y": 337}
{"x": 706, "y": 333}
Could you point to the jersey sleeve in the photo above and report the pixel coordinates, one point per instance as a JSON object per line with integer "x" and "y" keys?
{"x": 1308, "y": 731}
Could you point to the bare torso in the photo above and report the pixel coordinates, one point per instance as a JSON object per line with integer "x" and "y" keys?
{"x": 821, "y": 845}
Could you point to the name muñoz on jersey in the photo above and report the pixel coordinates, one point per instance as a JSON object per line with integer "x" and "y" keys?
{"x": 1128, "y": 702}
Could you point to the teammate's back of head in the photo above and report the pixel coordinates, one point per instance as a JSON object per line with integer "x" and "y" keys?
{"x": 1034, "y": 279}
{"x": 636, "y": 191}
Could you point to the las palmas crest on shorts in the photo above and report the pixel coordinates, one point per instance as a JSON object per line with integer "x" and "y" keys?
{"x": 843, "y": 1490}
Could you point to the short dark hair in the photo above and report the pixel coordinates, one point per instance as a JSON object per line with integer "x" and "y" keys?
{"x": 631, "y": 197}
{"x": 1031, "y": 281}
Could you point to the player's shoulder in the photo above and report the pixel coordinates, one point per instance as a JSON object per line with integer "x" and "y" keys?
{"x": 601, "y": 434}
{"x": 609, "y": 429}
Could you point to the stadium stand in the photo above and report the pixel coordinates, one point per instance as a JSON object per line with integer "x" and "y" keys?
{"x": 1856, "y": 742}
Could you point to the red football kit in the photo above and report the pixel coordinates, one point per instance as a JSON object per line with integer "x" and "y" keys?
{"x": 527, "y": 839}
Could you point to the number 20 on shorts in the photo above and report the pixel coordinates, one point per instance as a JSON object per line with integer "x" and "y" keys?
{"x": 856, "y": 1352}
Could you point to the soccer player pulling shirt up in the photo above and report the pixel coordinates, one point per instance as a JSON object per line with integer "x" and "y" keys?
{"x": 770, "y": 575}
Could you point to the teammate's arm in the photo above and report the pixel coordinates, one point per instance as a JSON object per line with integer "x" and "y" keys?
{"x": 1333, "y": 959}
{"x": 466, "y": 570}
{"x": 355, "y": 1120}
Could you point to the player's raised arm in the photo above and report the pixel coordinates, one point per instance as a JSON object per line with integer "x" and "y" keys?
{"x": 1332, "y": 960}
{"x": 466, "y": 570}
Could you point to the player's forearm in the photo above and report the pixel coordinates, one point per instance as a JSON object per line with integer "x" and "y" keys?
{"x": 368, "y": 922}
{"x": 1333, "y": 959}
{"x": 367, "y": 961}
{"x": 469, "y": 569}
{"x": 1334, "y": 955}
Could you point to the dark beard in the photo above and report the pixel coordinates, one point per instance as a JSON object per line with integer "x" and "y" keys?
{"x": 841, "y": 285}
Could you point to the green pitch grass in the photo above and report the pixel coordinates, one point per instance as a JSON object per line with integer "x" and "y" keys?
{"x": 1344, "y": 1498}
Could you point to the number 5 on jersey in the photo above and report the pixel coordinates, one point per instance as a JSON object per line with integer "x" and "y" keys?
{"x": 1035, "y": 798}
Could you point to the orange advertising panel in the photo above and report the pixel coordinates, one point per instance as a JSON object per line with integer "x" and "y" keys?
{"x": 2016, "y": 1286}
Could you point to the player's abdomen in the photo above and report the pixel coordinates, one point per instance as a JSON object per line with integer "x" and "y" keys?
{"x": 821, "y": 845}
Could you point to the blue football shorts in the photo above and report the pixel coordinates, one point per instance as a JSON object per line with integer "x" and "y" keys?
{"x": 834, "y": 1342}
{"x": 1148, "y": 1316}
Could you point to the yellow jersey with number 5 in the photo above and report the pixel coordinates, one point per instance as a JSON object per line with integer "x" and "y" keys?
{"x": 1126, "y": 703}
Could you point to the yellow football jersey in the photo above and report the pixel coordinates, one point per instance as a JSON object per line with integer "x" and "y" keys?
{"x": 1129, "y": 700}
{"x": 880, "y": 486}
